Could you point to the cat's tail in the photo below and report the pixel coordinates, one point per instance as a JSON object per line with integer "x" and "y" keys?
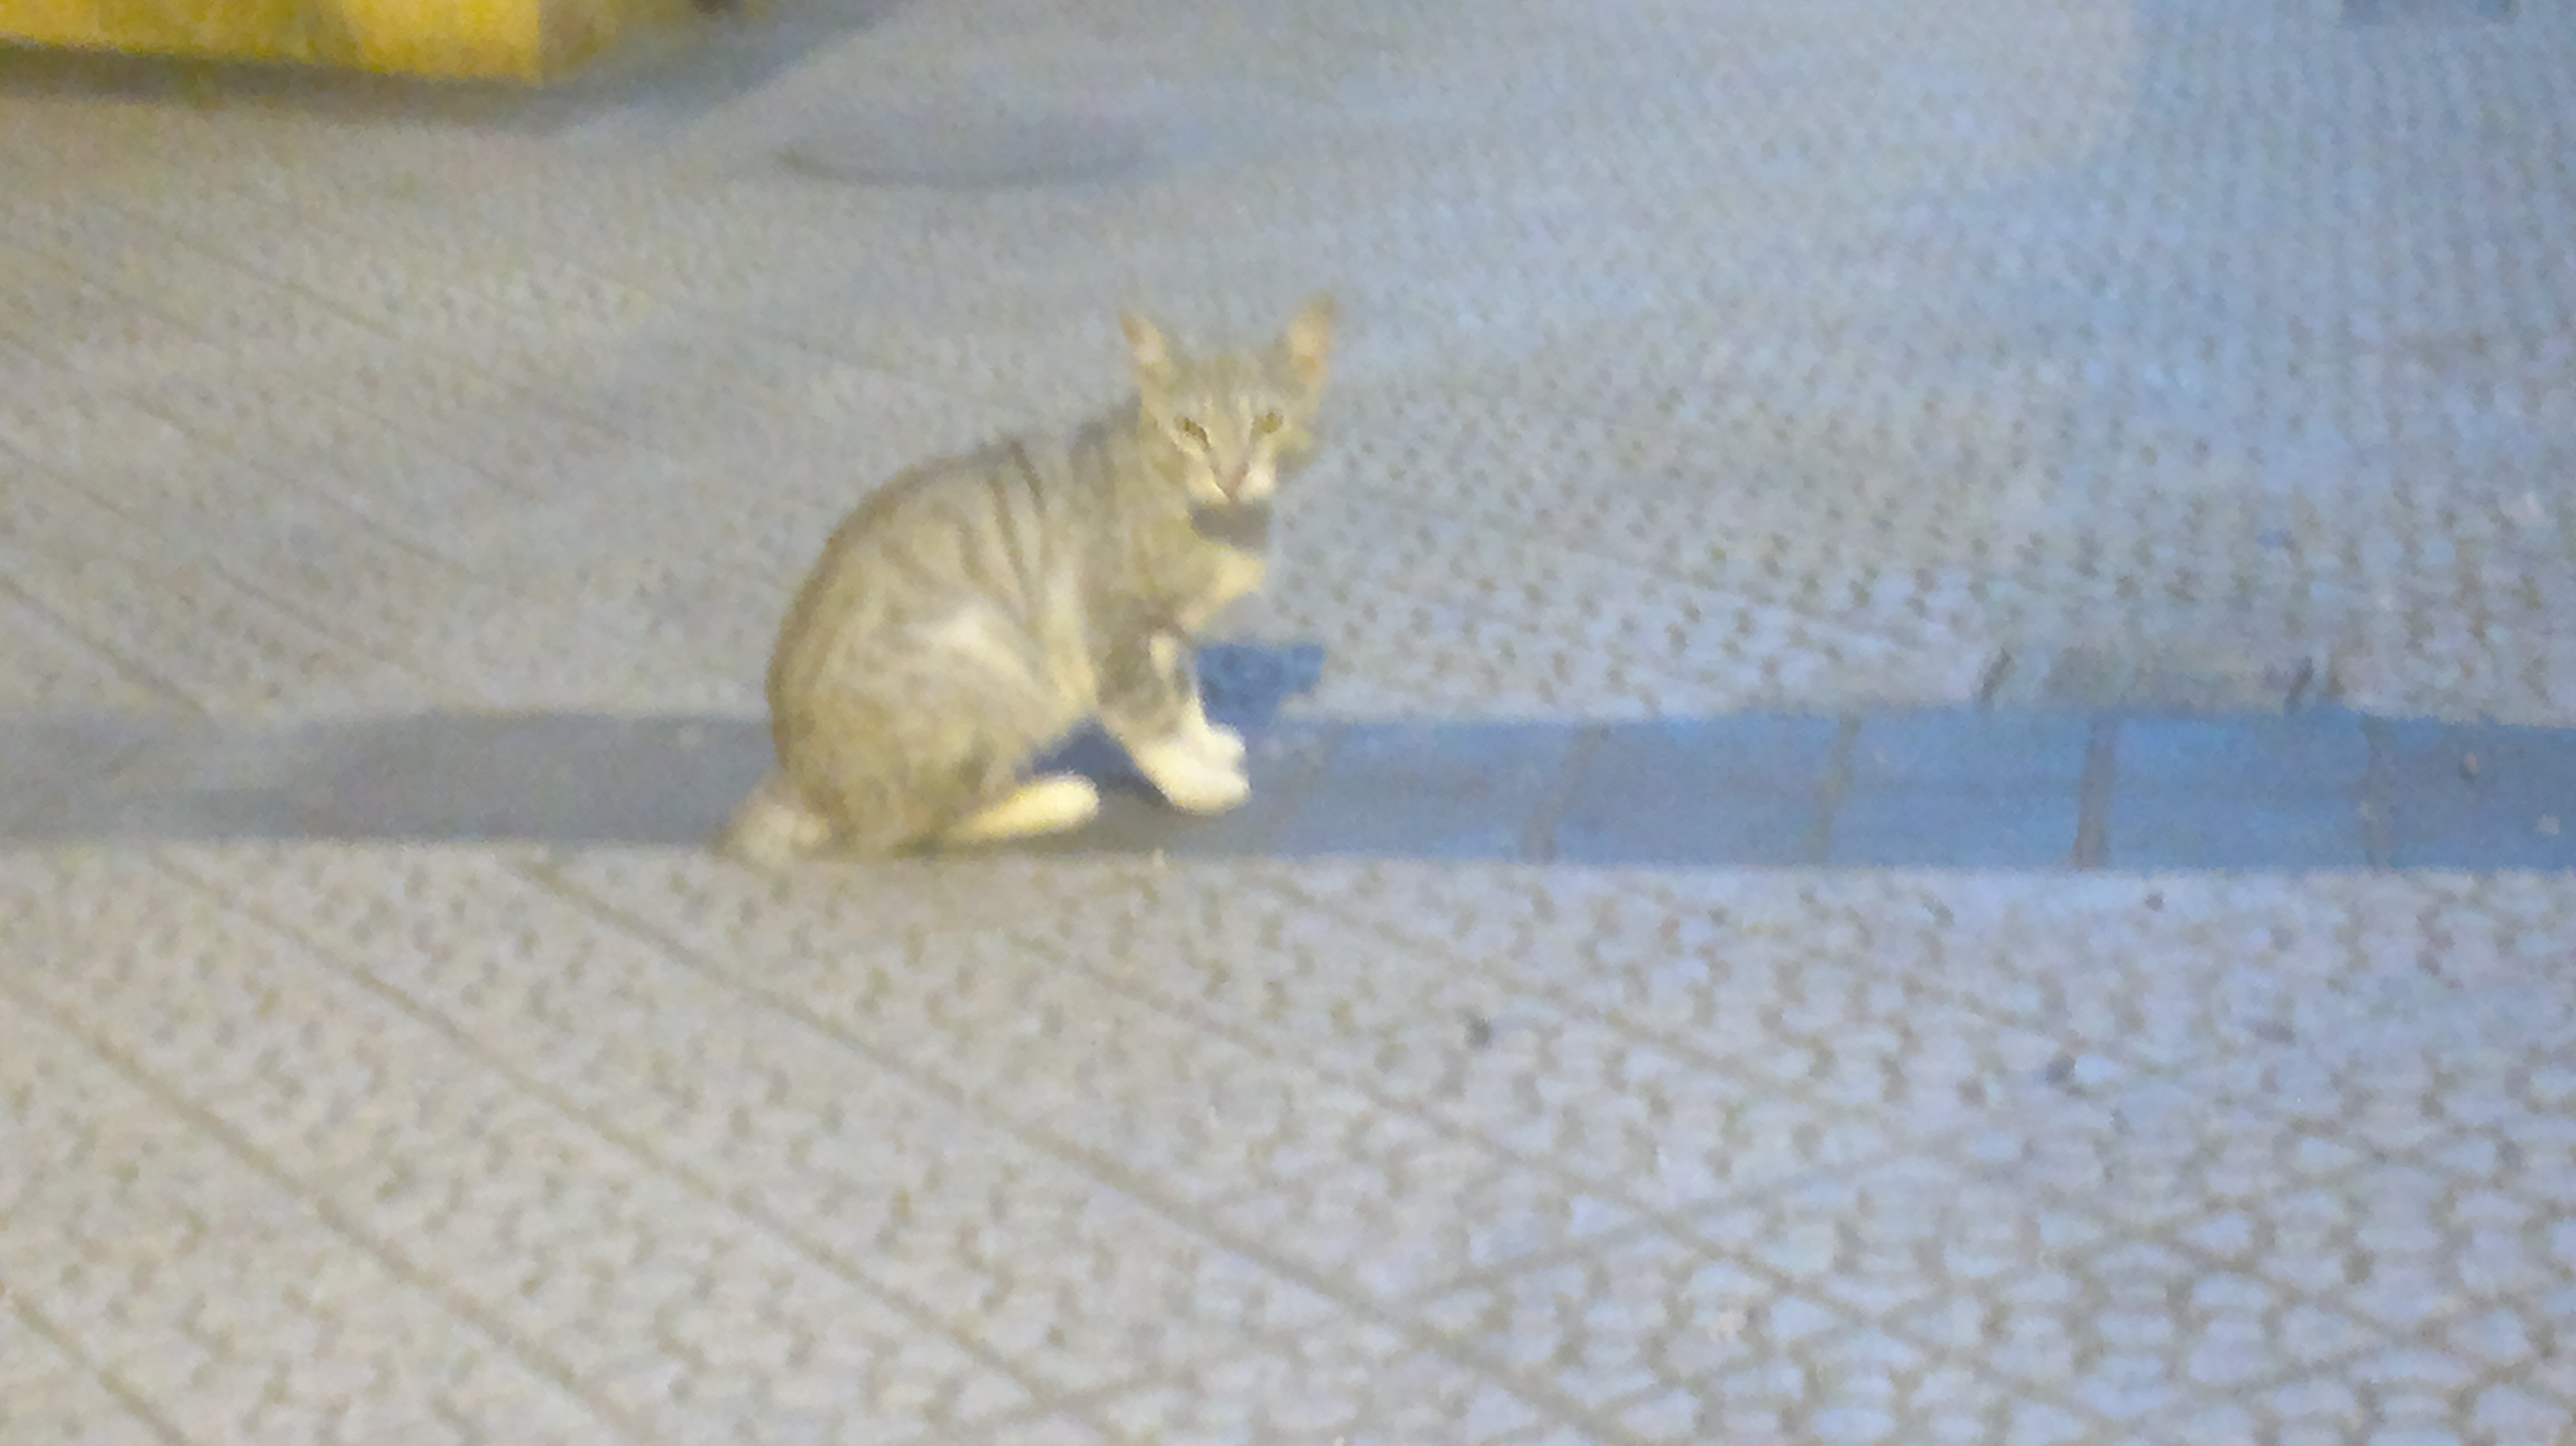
{"x": 774, "y": 827}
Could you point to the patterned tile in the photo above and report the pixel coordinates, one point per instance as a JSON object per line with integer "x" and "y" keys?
{"x": 204, "y": 1290}
{"x": 893, "y": 1184}
{"x": 597, "y": 1266}
{"x": 1272, "y": 1151}
{"x": 1352, "y": 1383}
{"x": 2002, "y": 326}
{"x": 1489, "y": 1036}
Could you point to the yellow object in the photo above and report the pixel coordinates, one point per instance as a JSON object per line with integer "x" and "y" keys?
{"x": 455, "y": 39}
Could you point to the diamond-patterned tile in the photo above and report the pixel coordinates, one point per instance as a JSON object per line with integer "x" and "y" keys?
{"x": 895, "y": 1184}
{"x": 2084, "y": 336}
{"x": 1347, "y": 1383}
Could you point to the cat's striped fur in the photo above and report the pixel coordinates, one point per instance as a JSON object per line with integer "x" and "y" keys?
{"x": 975, "y": 610}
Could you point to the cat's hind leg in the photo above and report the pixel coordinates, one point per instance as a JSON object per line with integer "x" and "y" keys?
{"x": 1054, "y": 803}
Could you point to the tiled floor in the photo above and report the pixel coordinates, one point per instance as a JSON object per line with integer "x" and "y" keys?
{"x": 1847, "y": 431}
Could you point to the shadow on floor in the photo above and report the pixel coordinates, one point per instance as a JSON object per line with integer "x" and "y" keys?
{"x": 2310, "y": 789}
{"x": 455, "y": 777}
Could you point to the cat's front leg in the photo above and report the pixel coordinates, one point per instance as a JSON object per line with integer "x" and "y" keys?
{"x": 1150, "y": 703}
{"x": 1173, "y": 655}
{"x": 1216, "y": 741}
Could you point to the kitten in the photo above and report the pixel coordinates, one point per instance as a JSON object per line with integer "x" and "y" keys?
{"x": 974, "y": 611}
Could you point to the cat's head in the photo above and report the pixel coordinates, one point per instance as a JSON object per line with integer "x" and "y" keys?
{"x": 1234, "y": 416}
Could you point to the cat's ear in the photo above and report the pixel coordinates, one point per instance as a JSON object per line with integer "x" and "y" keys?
{"x": 1151, "y": 354}
{"x": 1309, "y": 342}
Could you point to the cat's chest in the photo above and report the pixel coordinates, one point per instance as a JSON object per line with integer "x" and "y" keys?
{"x": 1235, "y": 576}
{"x": 1228, "y": 559}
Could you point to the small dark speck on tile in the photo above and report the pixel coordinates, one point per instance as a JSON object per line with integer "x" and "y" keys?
{"x": 1480, "y": 1031}
{"x": 2061, "y": 1070}
{"x": 2156, "y": 900}
{"x": 2273, "y": 1031}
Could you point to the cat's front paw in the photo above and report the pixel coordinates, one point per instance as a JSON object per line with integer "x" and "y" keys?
{"x": 1191, "y": 780}
{"x": 1222, "y": 744}
{"x": 1209, "y": 789}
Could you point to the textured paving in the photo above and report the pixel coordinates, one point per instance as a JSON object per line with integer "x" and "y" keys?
{"x": 1975, "y": 362}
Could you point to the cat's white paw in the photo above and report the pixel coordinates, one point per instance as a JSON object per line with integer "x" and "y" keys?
{"x": 1210, "y": 789}
{"x": 1222, "y": 744}
{"x": 1056, "y": 803}
{"x": 1190, "y": 779}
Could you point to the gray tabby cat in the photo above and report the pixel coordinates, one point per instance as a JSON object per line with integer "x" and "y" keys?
{"x": 974, "y": 611}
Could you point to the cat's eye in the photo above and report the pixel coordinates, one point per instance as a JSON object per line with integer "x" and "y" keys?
{"x": 1193, "y": 431}
{"x": 1269, "y": 422}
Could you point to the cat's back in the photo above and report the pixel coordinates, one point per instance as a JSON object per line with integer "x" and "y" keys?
{"x": 999, "y": 530}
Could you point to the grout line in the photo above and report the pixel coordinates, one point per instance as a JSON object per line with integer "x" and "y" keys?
{"x": 1298, "y": 789}
{"x": 142, "y": 550}
{"x": 198, "y": 1115}
{"x": 2300, "y": 683}
{"x": 133, "y": 670}
{"x": 524, "y": 386}
{"x": 1830, "y": 792}
{"x": 982, "y": 1103}
{"x": 1676, "y": 1222}
{"x": 116, "y": 1386}
{"x": 433, "y": 1015}
{"x": 215, "y": 250}
{"x": 1991, "y": 686}
{"x": 2093, "y": 810}
{"x": 138, "y": 394}
{"x": 2378, "y": 820}
{"x": 1538, "y": 832}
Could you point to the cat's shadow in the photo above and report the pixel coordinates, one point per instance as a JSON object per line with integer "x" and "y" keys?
{"x": 1243, "y": 685}
{"x": 553, "y": 778}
